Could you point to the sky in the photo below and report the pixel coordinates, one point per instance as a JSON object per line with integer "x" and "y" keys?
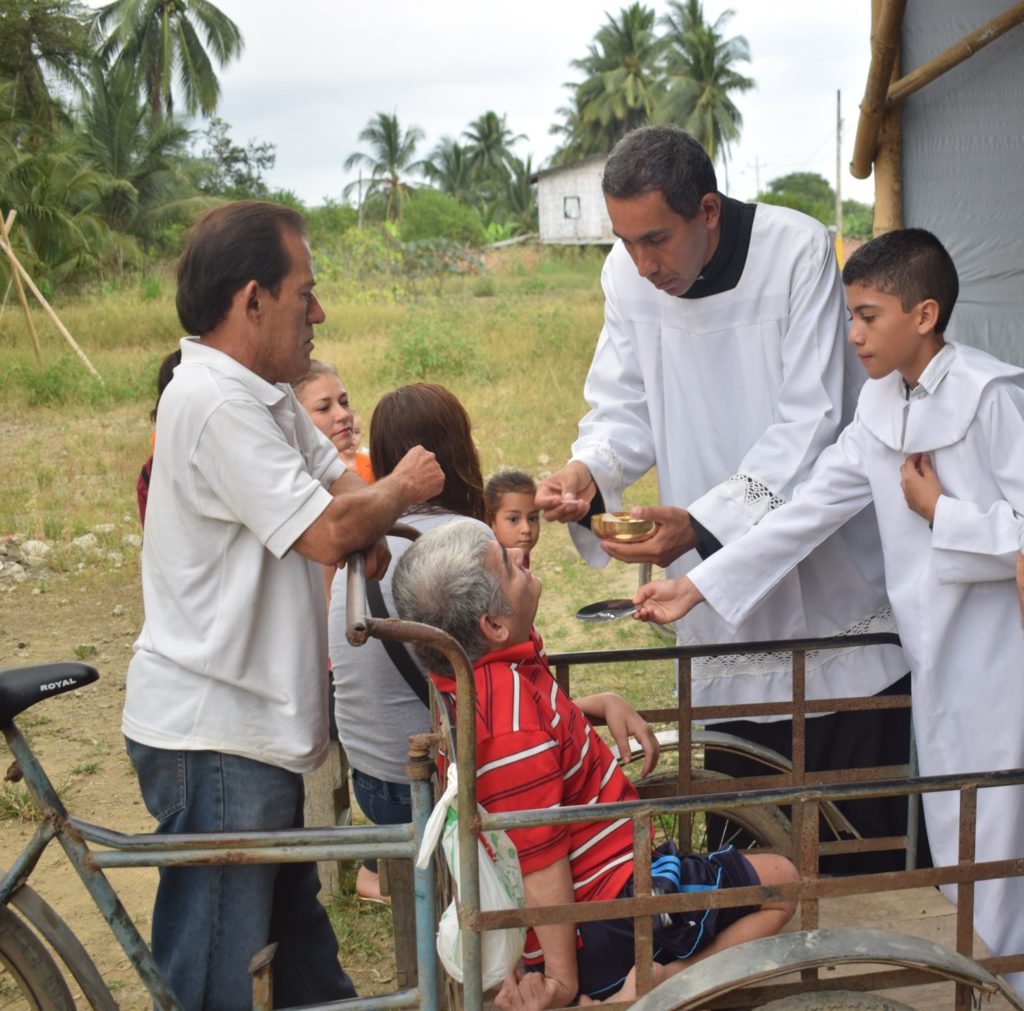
{"x": 314, "y": 72}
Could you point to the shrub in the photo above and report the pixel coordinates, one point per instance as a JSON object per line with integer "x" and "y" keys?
{"x": 432, "y": 350}
{"x": 431, "y": 214}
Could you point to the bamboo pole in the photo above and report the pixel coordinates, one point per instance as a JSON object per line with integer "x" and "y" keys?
{"x": 956, "y": 54}
{"x": 48, "y": 309}
{"x": 5, "y": 233}
{"x": 884, "y": 50}
{"x": 889, "y": 174}
{"x": 888, "y": 159}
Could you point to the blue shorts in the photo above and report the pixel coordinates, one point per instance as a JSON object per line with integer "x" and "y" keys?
{"x": 607, "y": 953}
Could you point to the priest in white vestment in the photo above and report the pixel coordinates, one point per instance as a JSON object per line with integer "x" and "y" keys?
{"x": 723, "y": 363}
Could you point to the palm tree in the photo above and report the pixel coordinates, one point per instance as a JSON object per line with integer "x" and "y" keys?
{"x": 165, "y": 39}
{"x": 488, "y": 141}
{"x": 40, "y": 41}
{"x": 622, "y": 87}
{"x": 392, "y": 159}
{"x": 56, "y": 193}
{"x": 448, "y": 168}
{"x": 700, "y": 65}
{"x": 139, "y": 158}
{"x": 519, "y": 200}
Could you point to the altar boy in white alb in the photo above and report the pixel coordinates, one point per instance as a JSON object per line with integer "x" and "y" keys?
{"x": 937, "y": 444}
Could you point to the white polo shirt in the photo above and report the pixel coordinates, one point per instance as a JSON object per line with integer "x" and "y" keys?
{"x": 233, "y": 653}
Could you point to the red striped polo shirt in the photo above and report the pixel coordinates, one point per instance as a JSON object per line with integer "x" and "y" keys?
{"x": 536, "y": 749}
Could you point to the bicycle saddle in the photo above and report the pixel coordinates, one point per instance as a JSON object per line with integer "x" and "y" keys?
{"x": 21, "y": 687}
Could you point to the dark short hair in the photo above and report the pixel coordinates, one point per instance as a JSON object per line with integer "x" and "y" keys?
{"x": 661, "y": 158}
{"x": 226, "y": 249}
{"x": 506, "y": 482}
{"x": 431, "y": 416}
{"x": 911, "y": 264}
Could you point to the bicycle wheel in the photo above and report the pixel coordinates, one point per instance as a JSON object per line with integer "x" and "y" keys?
{"x": 29, "y": 978}
{"x": 745, "y": 827}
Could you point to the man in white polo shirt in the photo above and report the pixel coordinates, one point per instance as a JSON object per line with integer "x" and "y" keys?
{"x": 227, "y": 694}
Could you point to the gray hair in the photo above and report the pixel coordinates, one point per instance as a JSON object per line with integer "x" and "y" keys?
{"x": 661, "y": 158}
{"x": 442, "y": 580}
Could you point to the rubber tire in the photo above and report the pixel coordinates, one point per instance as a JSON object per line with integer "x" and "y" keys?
{"x": 836, "y": 1000}
{"x": 26, "y": 965}
{"x": 769, "y": 827}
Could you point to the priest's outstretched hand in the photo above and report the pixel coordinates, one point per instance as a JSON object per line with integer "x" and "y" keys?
{"x": 665, "y": 600}
{"x": 673, "y": 536}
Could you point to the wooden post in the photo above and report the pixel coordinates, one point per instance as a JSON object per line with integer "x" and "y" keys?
{"x": 5, "y": 233}
{"x": 889, "y": 162}
{"x": 886, "y": 22}
{"x": 48, "y": 309}
{"x": 327, "y": 803}
{"x": 957, "y": 53}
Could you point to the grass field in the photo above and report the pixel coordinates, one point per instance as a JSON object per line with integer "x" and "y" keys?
{"x": 513, "y": 343}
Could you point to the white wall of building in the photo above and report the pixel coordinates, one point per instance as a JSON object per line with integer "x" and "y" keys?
{"x": 570, "y": 205}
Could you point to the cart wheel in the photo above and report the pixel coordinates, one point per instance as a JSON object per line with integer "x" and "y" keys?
{"x": 757, "y": 827}
{"x": 836, "y": 1000}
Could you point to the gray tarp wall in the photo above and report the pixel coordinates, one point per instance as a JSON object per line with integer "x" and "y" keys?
{"x": 963, "y": 166}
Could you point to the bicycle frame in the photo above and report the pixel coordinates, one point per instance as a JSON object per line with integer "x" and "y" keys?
{"x": 150, "y": 850}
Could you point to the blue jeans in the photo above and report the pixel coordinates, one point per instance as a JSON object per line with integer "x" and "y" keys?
{"x": 382, "y": 802}
{"x": 208, "y": 922}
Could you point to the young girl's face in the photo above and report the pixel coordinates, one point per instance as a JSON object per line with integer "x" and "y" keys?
{"x": 326, "y": 402}
{"x": 516, "y": 521}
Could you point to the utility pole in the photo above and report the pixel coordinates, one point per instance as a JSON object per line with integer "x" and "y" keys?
{"x": 359, "y": 217}
{"x": 756, "y": 165}
{"x": 839, "y": 176}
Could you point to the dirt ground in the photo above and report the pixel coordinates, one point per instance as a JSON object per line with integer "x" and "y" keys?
{"x": 77, "y": 736}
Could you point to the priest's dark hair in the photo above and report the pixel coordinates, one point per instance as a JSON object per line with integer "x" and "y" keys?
{"x": 661, "y": 158}
{"x": 911, "y": 264}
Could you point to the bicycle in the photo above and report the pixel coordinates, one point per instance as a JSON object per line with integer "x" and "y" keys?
{"x": 29, "y": 971}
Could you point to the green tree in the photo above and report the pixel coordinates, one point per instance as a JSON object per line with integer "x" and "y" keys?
{"x": 701, "y": 77}
{"x": 231, "y": 170}
{"x": 56, "y": 192}
{"x": 391, "y": 162}
{"x": 858, "y": 219}
{"x": 803, "y": 191}
{"x": 448, "y": 168}
{"x": 171, "y": 41}
{"x": 145, "y": 186}
{"x": 519, "y": 199}
{"x": 41, "y": 42}
{"x": 622, "y": 86}
{"x": 488, "y": 143}
{"x": 813, "y": 194}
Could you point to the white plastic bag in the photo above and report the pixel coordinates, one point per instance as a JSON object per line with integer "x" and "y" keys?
{"x": 501, "y": 887}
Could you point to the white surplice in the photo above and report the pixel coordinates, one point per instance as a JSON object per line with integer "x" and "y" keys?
{"x": 733, "y": 396}
{"x": 951, "y": 587}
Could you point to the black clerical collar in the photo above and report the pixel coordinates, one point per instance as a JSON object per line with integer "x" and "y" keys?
{"x": 724, "y": 271}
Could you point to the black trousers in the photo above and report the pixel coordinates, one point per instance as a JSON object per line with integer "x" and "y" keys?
{"x": 838, "y": 741}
